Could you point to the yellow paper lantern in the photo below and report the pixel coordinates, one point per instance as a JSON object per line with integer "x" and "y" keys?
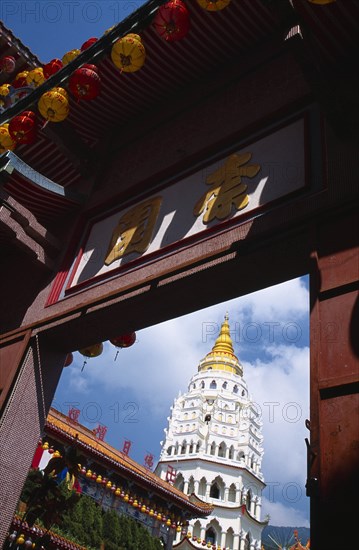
{"x": 213, "y": 5}
{"x": 61, "y": 91}
{"x": 128, "y": 53}
{"x": 6, "y": 141}
{"x": 53, "y": 106}
{"x": 4, "y": 90}
{"x": 92, "y": 351}
{"x": 35, "y": 77}
{"x": 70, "y": 56}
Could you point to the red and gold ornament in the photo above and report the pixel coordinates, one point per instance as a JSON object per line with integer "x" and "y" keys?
{"x": 85, "y": 83}
{"x": 52, "y": 67}
{"x": 7, "y": 64}
{"x": 172, "y": 21}
{"x": 88, "y": 43}
{"x": 22, "y": 128}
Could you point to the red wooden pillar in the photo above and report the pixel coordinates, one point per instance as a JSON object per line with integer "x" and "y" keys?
{"x": 30, "y": 371}
{"x": 334, "y": 454}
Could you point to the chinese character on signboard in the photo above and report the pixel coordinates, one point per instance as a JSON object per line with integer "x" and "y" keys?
{"x": 100, "y": 432}
{"x": 227, "y": 189}
{"x": 171, "y": 475}
{"x": 149, "y": 461}
{"x": 134, "y": 230}
{"x": 126, "y": 446}
{"x": 74, "y": 415}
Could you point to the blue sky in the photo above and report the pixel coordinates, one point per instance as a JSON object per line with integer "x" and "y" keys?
{"x": 132, "y": 396}
{"x": 270, "y": 329}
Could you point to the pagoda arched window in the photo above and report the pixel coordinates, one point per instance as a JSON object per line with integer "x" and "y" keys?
{"x": 231, "y": 452}
{"x": 198, "y": 447}
{"x": 202, "y": 487}
{"x": 179, "y": 483}
{"x": 211, "y": 536}
{"x": 247, "y": 542}
{"x": 248, "y": 500}
{"x": 213, "y": 385}
{"x": 224, "y": 385}
{"x": 202, "y": 384}
{"x": 169, "y": 450}
{"x": 183, "y": 448}
{"x": 230, "y": 538}
{"x": 235, "y": 389}
{"x": 214, "y": 491}
{"x": 213, "y": 448}
{"x": 232, "y": 493}
{"x": 222, "y": 450}
{"x": 191, "y": 486}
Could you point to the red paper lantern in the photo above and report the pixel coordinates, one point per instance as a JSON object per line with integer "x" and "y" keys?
{"x": 22, "y": 128}
{"x": 172, "y": 20}
{"x": 52, "y": 67}
{"x": 124, "y": 341}
{"x": 88, "y": 43}
{"x": 7, "y": 64}
{"x": 68, "y": 360}
{"x": 85, "y": 83}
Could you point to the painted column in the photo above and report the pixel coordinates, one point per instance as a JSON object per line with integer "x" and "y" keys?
{"x": 208, "y": 489}
{"x": 226, "y": 491}
{"x": 203, "y": 533}
{"x": 185, "y": 486}
{"x": 223, "y": 539}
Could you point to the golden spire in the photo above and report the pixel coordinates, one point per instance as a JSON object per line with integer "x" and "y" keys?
{"x": 224, "y": 341}
{"x": 222, "y": 356}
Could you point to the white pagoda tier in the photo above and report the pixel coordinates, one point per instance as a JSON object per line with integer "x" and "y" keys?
{"x": 213, "y": 448}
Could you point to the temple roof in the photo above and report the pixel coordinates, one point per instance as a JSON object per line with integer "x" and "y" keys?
{"x": 61, "y": 427}
{"x": 175, "y": 76}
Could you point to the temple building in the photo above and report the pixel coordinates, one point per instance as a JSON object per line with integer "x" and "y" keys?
{"x": 213, "y": 449}
{"x": 115, "y": 481}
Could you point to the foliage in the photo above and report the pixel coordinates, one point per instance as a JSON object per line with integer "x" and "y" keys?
{"x": 46, "y": 499}
{"x": 79, "y": 518}
{"x": 91, "y": 526}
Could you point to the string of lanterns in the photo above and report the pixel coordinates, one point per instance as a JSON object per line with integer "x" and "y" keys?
{"x": 95, "y": 350}
{"x": 171, "y": 22}
{"x": 143, "y": 505}
{"x": 128, "y": 54}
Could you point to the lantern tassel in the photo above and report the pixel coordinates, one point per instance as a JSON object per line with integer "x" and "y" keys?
{"x": 83, "y": 366}
{"x": 117, "y": 352}
{"x": 44, "y": 125}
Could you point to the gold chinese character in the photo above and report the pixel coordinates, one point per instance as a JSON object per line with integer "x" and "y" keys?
{"x": 226, "y": 189}
{"x": 134, "y": 230}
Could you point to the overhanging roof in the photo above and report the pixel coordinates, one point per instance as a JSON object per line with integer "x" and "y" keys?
{"x": 68, "y": 152}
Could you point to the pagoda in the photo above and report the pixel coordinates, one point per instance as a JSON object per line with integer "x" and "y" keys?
{"x": 213, "y": 449}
